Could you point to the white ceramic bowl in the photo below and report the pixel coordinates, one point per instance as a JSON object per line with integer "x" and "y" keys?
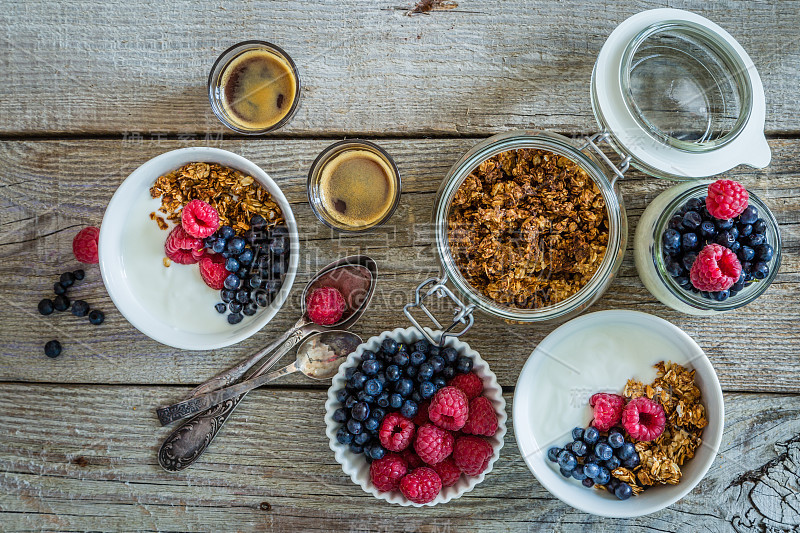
{"x": 111, "y": 256}
{"x": 356, "y": 466}
{"x": 644, "y": 334}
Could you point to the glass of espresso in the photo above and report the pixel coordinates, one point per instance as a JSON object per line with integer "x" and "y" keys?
{"x": 254, "y": 87}
{"x": 353, "y": 186}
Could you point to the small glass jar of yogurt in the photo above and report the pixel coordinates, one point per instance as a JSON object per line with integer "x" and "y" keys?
{"x": 650, "y": 258}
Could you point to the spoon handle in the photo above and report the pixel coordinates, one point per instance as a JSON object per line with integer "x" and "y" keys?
{"x": 203, "y": 402}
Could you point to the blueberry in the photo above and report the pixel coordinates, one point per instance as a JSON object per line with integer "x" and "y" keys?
{"x": 739, "y": 285}
{"x": 376, "y": 451}
{"x": 746, "y": 253}
{"x": 373, "y": 387}
{"x": 341, "y": 395}
{"x": 566, "y": 473}
{"x": 416, "y": 397}
{"x": 591, "y": 470}
{"x": 448, "y": 372}
{"x": 389, "y": 346}
{"x": 255, "y": 281}
{"x": 688, "y": 260}
{"x": 378, "y": 412}
{"x": 577, "y": 433}
{"x": 590, "y": 435}
{"x": 427, "y": 389}
{"x": 401, "y": 359}
{"x": 242, "y": 296}
{"x": 236, "y": 245}
{"x": 235, "y": 307}
{"x": 464, "y": 365}
{"x": 725, "y": 238}
{"x": 350, "y": 401}
{"x": 425, "y": 372}
{"x": 67, "y": 279}
{"x": 626, "y": 451}
{"x": 631, "y": 462}
{"x": 360, "y": 411}
{"x": 591, "y": 458}
{"x": 250, "y": 309}
{"x": 362, "y": 438}
{"x": 708, "y": 229}
{"x": 450, "y": 354}
{"x": 227, "y": 295}
{"x": 578, "y": 474}
{"x": 362, "y": 396}
{"x": 756, "y": 239}
{"x": 232, "y": 282}
{"x": 371, "y": 367}
{"x": 689, "y": 241}
{"x": 579, "y": 448}
{"x": 61, "y": 303}
{"x": 615, "y": 439}
{"x": 226, "y": 232}
{"x": 409, "y": 409}
{"x": 358, "y": 380}
{"x": 552, "y": 453}
{"x": 219, "y": 245}
{"x": 46, "y": 307}
{"x": 277, "y": 245}
{"x": 760, "y": 270}
{"x": 725, "y": 223}
{"x": 246, "y": 257}
{"x": 404, "y": 387}
{"x": 613, "y": 484}
{"x": 683, "y": 281}
{"x": 603, "y": 451}
{"x": 393, "y": 373}
{"x": 242, "y": 273}
{"x": 614, "y": 462}
{"x": 80, "y": 308}
{"x": 234, "y": 318}
{"x": 417, "y": 358}
{"x": 354, "y": 448}
{"x": 383, "y": 399}
{"x": 671, "y": 240}
{"x": 439, "y": 382}
{"x": 764, "y": 252}
{"x": 760, "y": 227}
{"x": 674, "y": 268}
{"x": 676, "y": 222}
{"x": 52, "y": 349}
{"x": 734, "y": 231}
{"x": 587, "y": 482}
{"x": 745, "y": 230}
{"x": 437, "y": 362}
{"x": 749, "y": 215}
{"x": 340, "y": 415}
{"x": 623, "y": 491}
{"x": 79, "y": 274}
{"x": 567, "y": 461}
{"x": 58, "y": 288}
{"x": 395, "y": 401}
{"x": 692, "y": 220}
{"x": 422, "y": 346}
{"x": 694, "y": 204}
{"x": 720, "y": 296}
{"x": 343, "y": 436}
{"x": 411, "y": 371}
{"x": 603, "y": 477}
{"x": 354, "y": 426}
{"x": 380, "y": 377}
{"x": 735, "y": 246}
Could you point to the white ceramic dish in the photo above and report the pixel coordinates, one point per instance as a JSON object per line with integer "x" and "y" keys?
{"x": 618, "y": 345}
{"x": 357, "y": 467}
{"x": 116, "y": 276}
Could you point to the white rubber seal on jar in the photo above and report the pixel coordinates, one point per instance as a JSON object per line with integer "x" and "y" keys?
{"x": 748, "y": 148}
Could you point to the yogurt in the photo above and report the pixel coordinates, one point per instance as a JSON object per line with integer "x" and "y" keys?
{"x": 175, "y": 295}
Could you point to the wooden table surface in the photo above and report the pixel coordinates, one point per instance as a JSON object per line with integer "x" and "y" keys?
{"x": 90, "y": 91}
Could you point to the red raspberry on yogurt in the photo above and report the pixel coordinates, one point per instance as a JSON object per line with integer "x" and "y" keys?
{"x": 182, "y": 248}
{"x": 199, "y": 219}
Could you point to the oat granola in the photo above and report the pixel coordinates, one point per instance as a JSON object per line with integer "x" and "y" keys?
{"x": 235, "y": 195}
{"x": 661, "y": 459}
{"x": 528, "y": 228}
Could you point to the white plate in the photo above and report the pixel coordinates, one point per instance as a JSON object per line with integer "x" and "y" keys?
{"x": 356, "y": 466}
{"x": 113, "y": 269}
{"x": 599, "y": 352}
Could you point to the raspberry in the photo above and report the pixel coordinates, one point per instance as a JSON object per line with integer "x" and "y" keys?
{"x": 716, "y": 269}
{"x": 199, "y": 219}
{"x": 449, "y": 408}
{"x": 182, "y": 247}
{"x": 472, "y": 454}
{"x": 411, "y": 458}
{"x": 726, "y": 199}
{"x": 644, "y": 419}
{"x": 213, "y": 271}
{"x": 325, "y": 306}
{"x": 387, "y": 472}
{"x": 396, "y": 432}
{"x": 433, "y": 444}
{"x": 482, "y": 418}
{"x": 607, "y": 410}
{"x": 470, "y": 383}
{"x": 448, "y": 472}
{"x": 84, "y": 245}
{"x": 422, "y": 414}
{"x": 421, "y": 486}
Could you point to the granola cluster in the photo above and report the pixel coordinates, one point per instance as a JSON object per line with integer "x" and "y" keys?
{"x": 528, "y": 228}
{"x": 674, "y": 388}
{"x": 235, "y": 195}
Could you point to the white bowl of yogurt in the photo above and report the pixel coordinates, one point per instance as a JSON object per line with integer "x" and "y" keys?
{"x": 600, "y": 352}
{"x": 173, "y": 305}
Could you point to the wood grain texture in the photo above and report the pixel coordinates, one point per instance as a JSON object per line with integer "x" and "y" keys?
{"x": 48, "y": 189}
{"x": 83, "y": 67}
{"x": 84, "y": 458}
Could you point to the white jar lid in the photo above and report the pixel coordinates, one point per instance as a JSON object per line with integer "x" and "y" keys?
{"x": 659, "y": 156}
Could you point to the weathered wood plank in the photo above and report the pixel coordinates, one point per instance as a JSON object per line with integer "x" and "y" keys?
{"x": 69, "y": 451}
{"x": 82, "y": 67}
{"x": 50, "y": 188}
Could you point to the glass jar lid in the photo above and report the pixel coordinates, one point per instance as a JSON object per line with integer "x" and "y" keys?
{"x": 680, "y": 96}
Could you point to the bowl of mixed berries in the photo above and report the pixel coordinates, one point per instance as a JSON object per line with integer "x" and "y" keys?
{"x": 414, "y": 423}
